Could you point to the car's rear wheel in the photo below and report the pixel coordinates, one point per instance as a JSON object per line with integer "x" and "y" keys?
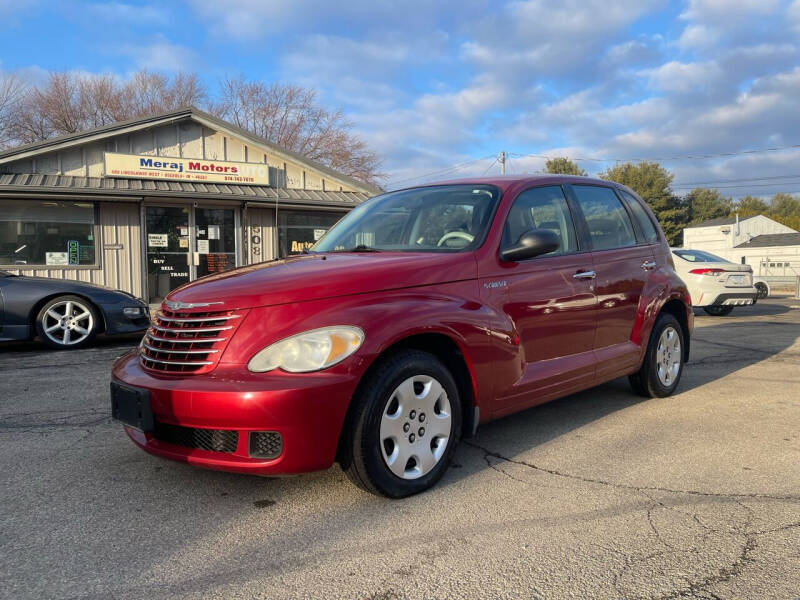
{"x": 663, "y": 362}
{"x": 718, "y": 311}
{"x": 405, "y": 424}
{"x": 67, "y": 323}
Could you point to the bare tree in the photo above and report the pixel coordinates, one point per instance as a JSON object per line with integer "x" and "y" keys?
{"x": 288, "y": 115}
{"x": 70, "y": 102}
{"x": 12, "y": 89}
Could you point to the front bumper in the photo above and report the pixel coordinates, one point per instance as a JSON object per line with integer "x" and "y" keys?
{"x": 307, "y": 410}
{"x": 116, "y": 321}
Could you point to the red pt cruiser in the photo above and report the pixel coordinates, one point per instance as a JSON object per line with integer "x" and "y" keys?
{"x": 419, "y": 315}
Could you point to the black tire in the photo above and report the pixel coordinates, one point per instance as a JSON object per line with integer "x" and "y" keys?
{"x": 718, "y": 311}
{"x": 762, "y": 289}
{"x": 362, "y": 457}
{"x": 90, "y": 323}
{"x": 646, "y": 381}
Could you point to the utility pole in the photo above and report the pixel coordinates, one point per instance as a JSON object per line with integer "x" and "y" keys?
{"x": 502, "y": 162}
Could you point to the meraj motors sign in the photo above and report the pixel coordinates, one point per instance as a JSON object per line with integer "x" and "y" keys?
{"x": 185, "y": 169}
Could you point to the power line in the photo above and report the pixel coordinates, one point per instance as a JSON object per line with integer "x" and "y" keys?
{"x": 663, "y": 158}
{"x": 732, "y": 187}
{"x": 773, "y": 177}
{"x": 489, "y": 167}
{"x": 442, "y": 171}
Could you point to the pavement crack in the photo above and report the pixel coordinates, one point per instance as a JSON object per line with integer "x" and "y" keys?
{"x": 731, "y": 495}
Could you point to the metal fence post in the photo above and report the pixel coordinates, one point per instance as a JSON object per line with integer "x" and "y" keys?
{"x": 797, "y": 288}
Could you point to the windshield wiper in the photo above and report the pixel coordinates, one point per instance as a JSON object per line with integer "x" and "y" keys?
{"x": 359, "y": 248}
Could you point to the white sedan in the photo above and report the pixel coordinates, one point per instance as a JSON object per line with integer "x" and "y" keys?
{"x": 715, "y": 284}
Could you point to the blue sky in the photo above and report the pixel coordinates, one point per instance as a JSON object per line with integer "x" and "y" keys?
{"x": 430, "y": 85}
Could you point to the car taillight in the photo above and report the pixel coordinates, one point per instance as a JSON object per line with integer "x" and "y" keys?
{"x": 707, "y": 271}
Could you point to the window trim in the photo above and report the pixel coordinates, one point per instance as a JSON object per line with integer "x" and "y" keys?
{"x": 640, "y": 235}
{"x": 585, "y": 223}
{"x": 97, "y": 231}
{"x": 572, "y": 215}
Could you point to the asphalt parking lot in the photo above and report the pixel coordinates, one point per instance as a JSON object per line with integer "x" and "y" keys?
{"x": 599, "y": 495}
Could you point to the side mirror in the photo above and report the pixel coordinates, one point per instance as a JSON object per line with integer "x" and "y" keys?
{"x": 531, "y": 243}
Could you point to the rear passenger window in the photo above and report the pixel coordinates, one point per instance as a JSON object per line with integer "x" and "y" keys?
{"x": 609, "y": 224}
{"x": 641, "y": 216}
{"x": 541, "y": 208}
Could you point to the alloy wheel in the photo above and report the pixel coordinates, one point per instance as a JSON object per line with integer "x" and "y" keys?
{"x": 668, "y": 356}
{"x": 68, "y": 323}
{"x": 415, "y": 427}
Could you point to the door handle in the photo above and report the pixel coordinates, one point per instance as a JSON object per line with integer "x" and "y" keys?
{"x": 585, "y": 275}
{"x": 648, "y": 265}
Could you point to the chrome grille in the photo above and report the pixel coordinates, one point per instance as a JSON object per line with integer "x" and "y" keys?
{"x": 187, "y": 342}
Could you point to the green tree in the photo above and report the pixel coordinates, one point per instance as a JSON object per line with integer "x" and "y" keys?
{"x": 652, "y": 182}
{"x": 705, "y": 204}
{"x": 563, "y": 166}
{"x": 784, "y": 205}
{"x": 750, "y": 206}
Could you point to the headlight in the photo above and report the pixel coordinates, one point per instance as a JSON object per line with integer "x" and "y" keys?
{"x": 133, "y": 311}
{"x": 309, "y": 351}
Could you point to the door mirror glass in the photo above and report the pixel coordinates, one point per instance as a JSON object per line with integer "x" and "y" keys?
{"x": 530, "y": 244}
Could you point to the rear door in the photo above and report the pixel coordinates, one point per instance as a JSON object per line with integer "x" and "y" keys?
{"x": 552, "y": 310}
{"x": 622, "y": 261}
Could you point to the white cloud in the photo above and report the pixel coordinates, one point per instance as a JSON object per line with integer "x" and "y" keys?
{"x": 160, "y": 55}
{"x": 124, "y": 14}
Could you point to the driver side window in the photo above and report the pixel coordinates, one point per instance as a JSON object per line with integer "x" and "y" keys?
{"x": 541, "y": 208}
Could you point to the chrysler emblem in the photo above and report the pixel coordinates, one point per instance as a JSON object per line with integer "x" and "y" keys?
{"x": 172, "y": 305}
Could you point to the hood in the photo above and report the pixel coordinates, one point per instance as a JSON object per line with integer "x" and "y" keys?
{"x": 317, "y": 276}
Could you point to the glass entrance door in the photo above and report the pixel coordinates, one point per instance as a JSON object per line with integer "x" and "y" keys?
{"x": 215, "y": 240}
{"x": 185, "y": 243}
{"x": 168, "y": 259}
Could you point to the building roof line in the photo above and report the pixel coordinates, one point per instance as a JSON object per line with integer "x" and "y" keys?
{"x": 188, "y": 112}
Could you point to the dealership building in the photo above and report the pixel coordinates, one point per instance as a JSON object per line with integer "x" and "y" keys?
{"x": 149, "y": 204}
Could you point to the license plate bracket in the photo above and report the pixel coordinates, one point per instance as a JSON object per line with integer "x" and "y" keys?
{"x": 131, "y": 406}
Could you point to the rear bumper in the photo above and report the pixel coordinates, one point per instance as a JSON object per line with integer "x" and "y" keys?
{"x": 307, "y": 410}
{"x": 734, "y": 299}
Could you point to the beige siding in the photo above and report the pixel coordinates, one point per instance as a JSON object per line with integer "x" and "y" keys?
{"x": 72, "y": 162}
{"x": 188, "y": 139}
{"x": 143, "y": 142}
{"x": 214, "y": 144}
{"x": 235, "y": 149}
{"x": 167, "y": 141}
{"x": 119, "y": 268}
{"x": 94, "y": 159}
{"x": 47, "y": 164}
{"x": 191, "y": 139}
{"x": 261, "y": 227}
{"x": 313, "y": 181}
{"x": 294, "y": 176}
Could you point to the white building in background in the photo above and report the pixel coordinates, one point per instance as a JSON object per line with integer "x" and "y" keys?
{"x": 772, "y": 249}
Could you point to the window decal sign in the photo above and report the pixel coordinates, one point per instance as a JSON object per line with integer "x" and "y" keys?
{"x": 185, "y": 169}
{"x": 157, "y": 240}
{"x": 57, "y": 258}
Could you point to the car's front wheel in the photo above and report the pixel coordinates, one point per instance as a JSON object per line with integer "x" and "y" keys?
{"x": 663, "y": 362}
{"x": 67, "y": 323}
{"x": 718, "y": 311}
{"x": 404, "y": 426}
{"x": 762, "y": 289}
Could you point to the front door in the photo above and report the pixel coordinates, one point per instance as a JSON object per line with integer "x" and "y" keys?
{"x": 184, "y": 243}
{"x": 168, "y": 253}
{"x": 215, "y": 240}
{"x": 552, "y": 310}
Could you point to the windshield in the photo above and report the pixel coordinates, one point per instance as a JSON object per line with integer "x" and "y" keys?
{"x": 698, "y": 256}
{"x": 445, "y": 218}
